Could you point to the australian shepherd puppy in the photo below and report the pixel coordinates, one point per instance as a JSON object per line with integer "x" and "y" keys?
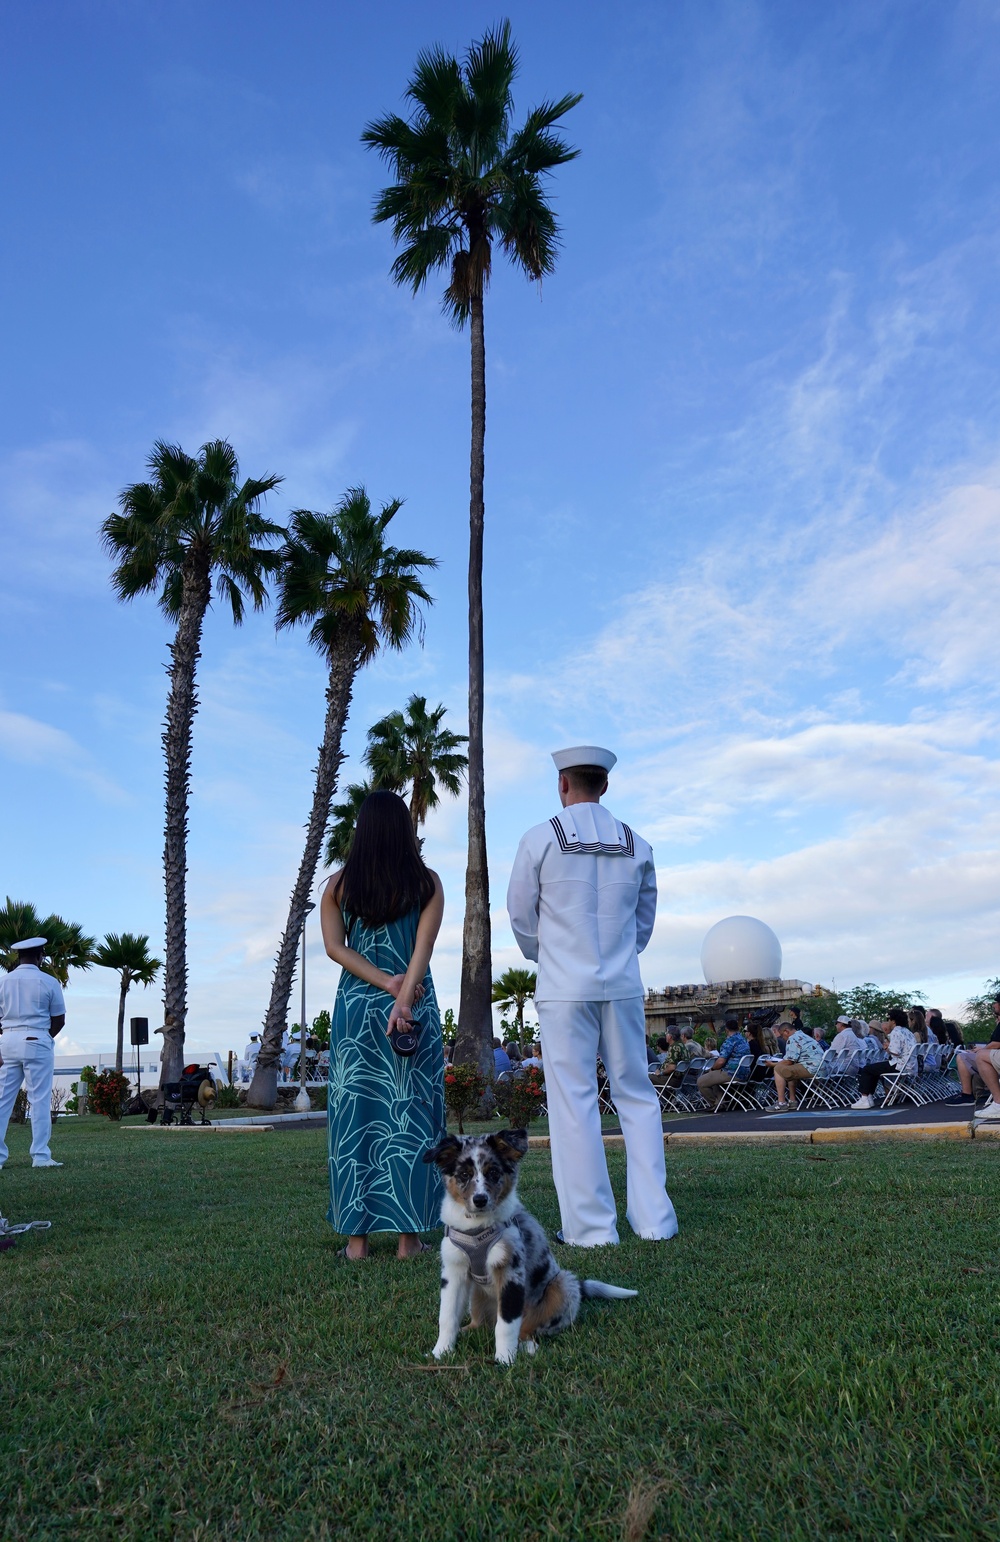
{"x": 496, "y": 1263}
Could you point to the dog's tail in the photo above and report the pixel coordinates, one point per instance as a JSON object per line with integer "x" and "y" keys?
{"x": 596, "y": 1290}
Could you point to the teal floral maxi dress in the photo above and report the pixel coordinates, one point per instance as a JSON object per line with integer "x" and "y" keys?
{"x": 384, "y": 1111}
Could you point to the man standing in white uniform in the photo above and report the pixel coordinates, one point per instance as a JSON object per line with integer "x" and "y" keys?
{"x": 32, "y": 1011}
{"x": 582, "y": 900}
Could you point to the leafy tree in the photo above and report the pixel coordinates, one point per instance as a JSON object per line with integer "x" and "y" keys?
{"x": 466, "y": 180}
{"x": 191, "y": 525}
{"x": 411, "y": 749}
{"x": 357, "y": 595}
{"x": 872, "y": 1002}
{"x": 979, "y": 1019}
{"x": 513, "y": 988}
{"x": 344, "y": 817}
{"x": 129, "y": 955}
{"x": 66, "y": 945}
{"x": 820, "y": 1011}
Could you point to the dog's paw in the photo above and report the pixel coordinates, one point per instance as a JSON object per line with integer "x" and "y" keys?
{"x": 530, "y": 1346}
{"x": 506, "y": 1356}
{"x": 440, "y": 1350}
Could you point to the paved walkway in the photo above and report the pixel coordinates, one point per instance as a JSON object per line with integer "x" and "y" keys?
{"x": 871, "y": 1118}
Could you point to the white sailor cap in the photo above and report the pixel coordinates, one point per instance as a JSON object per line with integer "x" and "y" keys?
{"x": 584, "y": 755}
{"x": 28, "y": 945}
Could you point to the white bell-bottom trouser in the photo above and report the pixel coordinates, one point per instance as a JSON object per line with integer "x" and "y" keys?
{"x": 573, "y": 1034}
{"x": 28, "y": 1058}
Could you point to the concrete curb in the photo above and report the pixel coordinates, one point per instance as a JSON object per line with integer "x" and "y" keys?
{"x": 824, "y": 1136}
{"x": 956, "y": 1131}
{"x": 740, "y": 1138}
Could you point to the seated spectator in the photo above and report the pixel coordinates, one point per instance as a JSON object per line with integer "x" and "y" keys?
{"x": 917, "y": 1024}
{"x": 535, "y": 1058}
{"x": 901, "y": 1056}
{"x": 982, "y": 1060}
{"x": 819, "y": 1034}
{"x": 501, "y": 1059}
{"x": 690, "y": 1047}
{"x": 710, "y": 1045}
{"x": 782, "y": 1034}
{"x": 943, "y": 1028}
{"x": 663, "y": 1045}
{"x": 801, "y": 1059}
{"x": 734, "y": 1046}
{"x": 513, "y": 1055}
{"x": 652, "y": 1058}
{"x": 756, "y": 1043}
{"x": 847, "y": 1041}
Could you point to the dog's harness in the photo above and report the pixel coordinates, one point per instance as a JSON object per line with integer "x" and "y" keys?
{"x": 475, "y": 1245}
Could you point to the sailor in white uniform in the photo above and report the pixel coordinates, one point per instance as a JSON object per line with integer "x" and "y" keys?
{"x": 32, "y": 1011}
{"x": 582, "y": 900}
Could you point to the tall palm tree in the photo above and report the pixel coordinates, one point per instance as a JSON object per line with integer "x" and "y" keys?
{"x": 358, "y": 595}
{"x": 66, "y": 945}
{"x": 193, "y": 523}
{"x": 344, "y": 817}
{"x": 129, "y": 954}
{"x": 412, "y": 749}
{"x": 465, "y": 180}
{"x": 512, "y": 989}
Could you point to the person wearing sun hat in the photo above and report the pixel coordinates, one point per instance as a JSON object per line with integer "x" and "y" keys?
{"x": 32, "y": 1012}
{"x": 582, "y": 901}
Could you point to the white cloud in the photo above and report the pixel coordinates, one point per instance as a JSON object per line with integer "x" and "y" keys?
{"x": 30, "y": 742}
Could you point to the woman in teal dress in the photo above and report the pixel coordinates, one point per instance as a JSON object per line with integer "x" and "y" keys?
{"x": 381, "y": 916}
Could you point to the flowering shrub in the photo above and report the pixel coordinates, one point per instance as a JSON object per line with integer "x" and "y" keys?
{"x": 464, "y": 1086}
{"x": 520, "y": 1099}
{"x": 108, "y": 1093}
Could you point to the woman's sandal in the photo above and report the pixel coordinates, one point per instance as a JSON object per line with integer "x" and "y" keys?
{"x": 345, "y": 1255}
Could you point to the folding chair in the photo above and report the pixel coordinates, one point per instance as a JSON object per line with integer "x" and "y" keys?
{"x": 902, "y": 1084}
{"x": 824, "y": 1088}
{"x": 736, "y": 1092}
{"x": 687, "y": 1099}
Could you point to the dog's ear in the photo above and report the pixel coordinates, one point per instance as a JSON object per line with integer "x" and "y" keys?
{"x": 510, "y": 1144}
{"x": 445, "y": 1153}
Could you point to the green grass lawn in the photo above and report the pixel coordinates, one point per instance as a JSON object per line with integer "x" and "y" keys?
{"x": 183, "y": 1355}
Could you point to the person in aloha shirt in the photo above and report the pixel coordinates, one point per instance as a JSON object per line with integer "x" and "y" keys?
{"x": 802, "y": 1058}
{"x": 731, "y": 1051}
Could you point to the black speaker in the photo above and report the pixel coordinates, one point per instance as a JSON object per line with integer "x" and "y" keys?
{"x": 140, "y": 1030}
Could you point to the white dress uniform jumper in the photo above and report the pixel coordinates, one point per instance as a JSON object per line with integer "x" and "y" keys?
{"x": 28, "y": 999}
{"x": 582, "y": 901}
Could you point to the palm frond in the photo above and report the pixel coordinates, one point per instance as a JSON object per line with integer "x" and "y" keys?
{"x": 436, "y": 86}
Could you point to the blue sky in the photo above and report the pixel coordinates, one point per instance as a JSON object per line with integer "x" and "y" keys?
{"x": 743, "y": 465}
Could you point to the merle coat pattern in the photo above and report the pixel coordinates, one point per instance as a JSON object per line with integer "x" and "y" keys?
{"x": 499, "y": 1269}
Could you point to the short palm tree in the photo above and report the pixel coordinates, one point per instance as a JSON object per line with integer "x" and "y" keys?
{"x": 66, "y": 945}
{"x": 191, "y": 525}
{"x": 466, "y": 180}
{"x": 128, "y": 954}
{"x": 357, "y": 595}
{"x": 512, "y": 989}
{"x": 411, "y": 749}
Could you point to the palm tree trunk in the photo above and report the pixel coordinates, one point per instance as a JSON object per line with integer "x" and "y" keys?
{"x": 475, "y": 1017}
{"x": 182, "y": 704}
{"x": 263, "y": 1092}
{"x": 120, "y": 1044}
{"x": 415, "y": 808}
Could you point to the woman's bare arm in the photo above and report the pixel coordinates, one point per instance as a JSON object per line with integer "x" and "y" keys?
{"x": 335, "y": 942}
{"x": 427, "y": 929}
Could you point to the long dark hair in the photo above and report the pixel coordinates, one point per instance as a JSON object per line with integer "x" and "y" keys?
{"x": 384, "y": 876}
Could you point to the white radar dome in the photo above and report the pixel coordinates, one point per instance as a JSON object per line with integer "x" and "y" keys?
{"x": 740, "y": 948}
